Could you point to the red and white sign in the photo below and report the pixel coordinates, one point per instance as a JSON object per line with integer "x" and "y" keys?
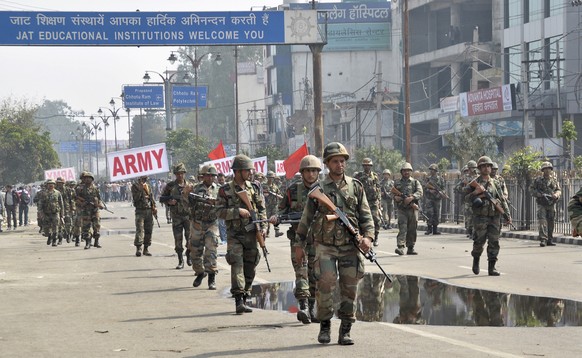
{"x": 279, "y": 168}
{"x": 136, "y": 162}
{"x": 65, "y": 173}
{"x": 223, "y": 165}
{"x": 490, "y": 100}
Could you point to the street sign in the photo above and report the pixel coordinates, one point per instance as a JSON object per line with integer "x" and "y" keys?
{"x": 28, "y": 28}
{"x": 89, "y": 146}
{"x": 185, "y": 96}
{"x": 143, "y": 96}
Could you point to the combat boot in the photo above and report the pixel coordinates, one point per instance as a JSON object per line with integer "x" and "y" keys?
{"x": 278, "y": 233}
{"x": 87, "y": 243}
{"x": 212, "y": 281}
{"x": 96, "y": 243}
{"x": 146, "y": 252}
{"x": 60, "y": 242}
{"x": 476, "y": 269}
{"x": 376, "y": 239}
{"x": 188, "y": 258}
{"x": 198, "y": 279}
{"x": 180, "y": 260}
{"x": 312, "y": 310}
{"x": 49, "y": 239}
{"x": 324, "y": 336}
{"x": 492, "y": 270}
{"x": 411, "y": 251}
{"x": 54, "y": 239}
{"x": 344, "y": 334}
{"x": 549, "y": 242}
{"x": 542, "y": 243}
{"x": 248, "y": 309}
{"x": 138, "y": 251}
{"x": 399, "y": 251}
{"x": 303, "y": 312}
{"x": 77, "y": 242}
{"x": 239, "y": 304}
{"x": 435, "y": 230}
{"x": 68, "y": 236}
{"x": 428, "y": 230}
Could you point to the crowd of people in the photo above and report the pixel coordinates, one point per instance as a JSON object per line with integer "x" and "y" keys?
{"x": 239, "y": 210}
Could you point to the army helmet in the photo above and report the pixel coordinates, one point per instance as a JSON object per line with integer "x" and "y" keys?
{"x": 87, "y": 174}
{"x": 72, "y": 182}
{"x": 60, "y": 180}
{"x": 310, "y": 162}
{"x": 242, "y": 162}
{"x": 484, "y": 160}
{"x": 179, "y": 168}
{"x": 297, "y": 176}
{"x": 50, "y": 181}
{"x": 406, "y": 166}
{"x": 209, "y": 170}
{"x": 367, "y": 161}
{"x": 465, "y": 168}
{"x": 495, "y": 166}
{"x": 270, "y": 174}
{"x": 433, "y": 167}
{"x": 547, "y": 165}
{"x": 387, "y": 171}
{"x": 471, "y": 164}
{"x": 333, "y": 149}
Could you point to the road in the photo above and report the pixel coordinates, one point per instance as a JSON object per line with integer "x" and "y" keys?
{"x": 70, "y": 302}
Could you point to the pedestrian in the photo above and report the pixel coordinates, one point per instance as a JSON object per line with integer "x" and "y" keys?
{"x": 387, "y": 203}
{"x": 38, "y": 201}
{"x": 486, "y": 198}
{"x": 220, "y": 181}
{"x": 337, "y": 256}
{"x": 145, "y": 210}
{"x": 204, "y": 231}
{"x": 1, "y": 208}
{"x": 10, "y": 204}
{"x": 272, "y": 195}
{"x": 434, "y": 186}
{"x": 371, "y": 183}
{"x": 575, "y": 211}
{"x": 53, "y": 212}
{"x": 23, "y": 202}
{"x": 242, "y": 250}
{"x": 180, "y": 213}
{"x": 302, "y": 252}
{"x": 406, "y": 193}
{"x": 547, "y": 191}
{"x": 88, "y": 200}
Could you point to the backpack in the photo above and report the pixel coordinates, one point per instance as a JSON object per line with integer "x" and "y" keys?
{"x": 24, "y": 197}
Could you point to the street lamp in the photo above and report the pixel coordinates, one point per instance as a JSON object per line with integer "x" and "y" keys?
{"x": 195, "y": 61}
{"x": 166, "y": 80}
{"x": 82, "y": 131}
{"x": 105, "y": 121}
{"x": 113, "y": 111}
{"x": 96, "y": 127}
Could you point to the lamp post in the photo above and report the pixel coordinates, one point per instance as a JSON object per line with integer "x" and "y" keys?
{"x": 196, "y": 61}
{"x": 113, "y": 111}
{"x": 105, "y": 121}
{"x": 167, "y": 81}
{"x": 82, "y": 131}
{"x": 96, "y": 127}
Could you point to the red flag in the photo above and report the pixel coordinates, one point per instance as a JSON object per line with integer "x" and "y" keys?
{"x": 218, "y": 152}
{"x": 291, "y": 164}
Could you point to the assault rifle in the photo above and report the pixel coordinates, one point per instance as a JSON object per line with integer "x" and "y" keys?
{"x": 86, "y": 202}
{"x": 201, "y": 198}
{"x": 480, "y": 192}
{"x": 271, "y": 193}
{"x": 290, "y": 218}
{"x": 441, "y": 193}
{"x": 412, "y": 204}
{"x": 244, "y": 197}
{"x": 317, "y": 193}
{"x": 165, "y": 198}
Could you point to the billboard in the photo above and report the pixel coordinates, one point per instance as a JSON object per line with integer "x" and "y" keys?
{"x": 489, "y": 100}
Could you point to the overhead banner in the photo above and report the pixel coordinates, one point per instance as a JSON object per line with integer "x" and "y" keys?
{"x": 65, "y": 173}
{"x": 490, "y": 100}
{"x": 223, "y": 165}
{"x": 136, "y": 162}
{"x": 28, "y": 28}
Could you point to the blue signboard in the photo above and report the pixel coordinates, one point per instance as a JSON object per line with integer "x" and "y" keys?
{"x": 89, "y": 146}
{"x": 341, "y": 13}
{"x": 153, "y": 28}
{"x": 143, "y": 96}
{"x": 185, "y": 96}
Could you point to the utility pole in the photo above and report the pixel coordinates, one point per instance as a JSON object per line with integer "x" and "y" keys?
{"x": 406, "y": 82}
{"x": 379, "y": 97}
{"x": 317, "y": 99}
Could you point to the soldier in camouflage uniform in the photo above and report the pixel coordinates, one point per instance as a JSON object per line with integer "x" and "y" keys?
{"x": 433, "y": 200}
{"x": 242, "y": 249}
{"x": 204, "y": 229}
{"x": 76, "y": 218}
{"x": 387, "y": 203}
{"x": 272, "y": 195}
{"x": 38, "y": 201}
{"x": 70, "y": 214}
{"x": 469, "y": 174}
{"x": 336, "y": 254}
{"x": 575, "y": 212}
{"x": 486, "y": 218}
{"x": 145, "y": 210}
{"x": 66, "y": 224}
{"x": 89, "y": 202}
{"x": 547, "y": 191}
{"x": 179, "y": 209}
{"x": 371, "y": 183}
{"x": 407, "y": 205}
{"x": 294, "y": 201}
{"x": 52, "y": 210}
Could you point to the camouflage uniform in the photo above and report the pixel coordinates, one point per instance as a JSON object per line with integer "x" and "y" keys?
{"x": 75, "y": 228}
{"x": 67, "y": 204}
{"x": 407, "y": 215}
{"x": 387, "y": 202}
{"x": 371, "y": 184}
{"x": 432, "y": 204}
{"x": 467, "y": 208}
{"x": 272, "y": 194}
{"x": 52, "y": 210}
{"x": 543, "y": 189}
{"x": 38, "y": 202}
{"x": 204, "y": 235}
{"x": 88, "y": 203}
{"x": 575, "y": 212}
{"x": 145, "y": 205}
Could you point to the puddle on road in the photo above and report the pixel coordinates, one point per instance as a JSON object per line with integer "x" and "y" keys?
{"x": 414, "y": 300}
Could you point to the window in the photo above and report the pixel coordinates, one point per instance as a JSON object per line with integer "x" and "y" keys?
{"x": 513, "y": 13}
{"x": 512, "y": 65}
{"x": 534, "y": 10}
{"x": 534, "y": 53}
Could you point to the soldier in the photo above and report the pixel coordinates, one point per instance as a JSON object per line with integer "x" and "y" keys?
{"x": 75, "y": 228}
{"x": 371, "y": 183}
{"x": 145, "y": 210}
{"x": 575, "y": 211}
{"x": 220, "y": 181}
{"x": 89, "y": 202}
{"x": 484, "y": 194}
{"x": 434, "y": 184}
{"x": 387, "y": 204}
{"x": 179, "y": 209}
{"x": 272, "y": 194}
{"x": 242, "y": 251}
{"x": 66, "y": 197}
{"x": 500, "y": 180}
{"x": 38, "y": 202}
{"x": 468, "y": 175}
{"x": 294, "y": 201}
{"x": 204, "y": 231}
{"x": 52, "y": 210}
{"x": 337, "y": 256}
{"x": 407, "y": 192}
{"x": 547, "y": 191}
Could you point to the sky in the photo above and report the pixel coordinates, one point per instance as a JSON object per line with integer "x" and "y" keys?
{"x": 86, "y": 78}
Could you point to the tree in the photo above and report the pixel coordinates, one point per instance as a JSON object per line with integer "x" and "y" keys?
{"x": 381, "y": 157}
{"x": 568, "y": 134}
{"x": 471, "y": 143}
{"x": 146, "y": 129}
{"x": 184, "y": 148}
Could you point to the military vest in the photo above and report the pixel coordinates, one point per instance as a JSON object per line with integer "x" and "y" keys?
{"x": 371, "y": 185}
{"x": 407, "y": 187}
{"x": 182, "y": 207}
{"x": 52, "y": 202}
{"x": 228, "y": 199}
{"x": 488, "y": 209}
{"x": 205, "y": 212}
{"x": 438, "y": 183}
{"x": 548, "y": 186}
